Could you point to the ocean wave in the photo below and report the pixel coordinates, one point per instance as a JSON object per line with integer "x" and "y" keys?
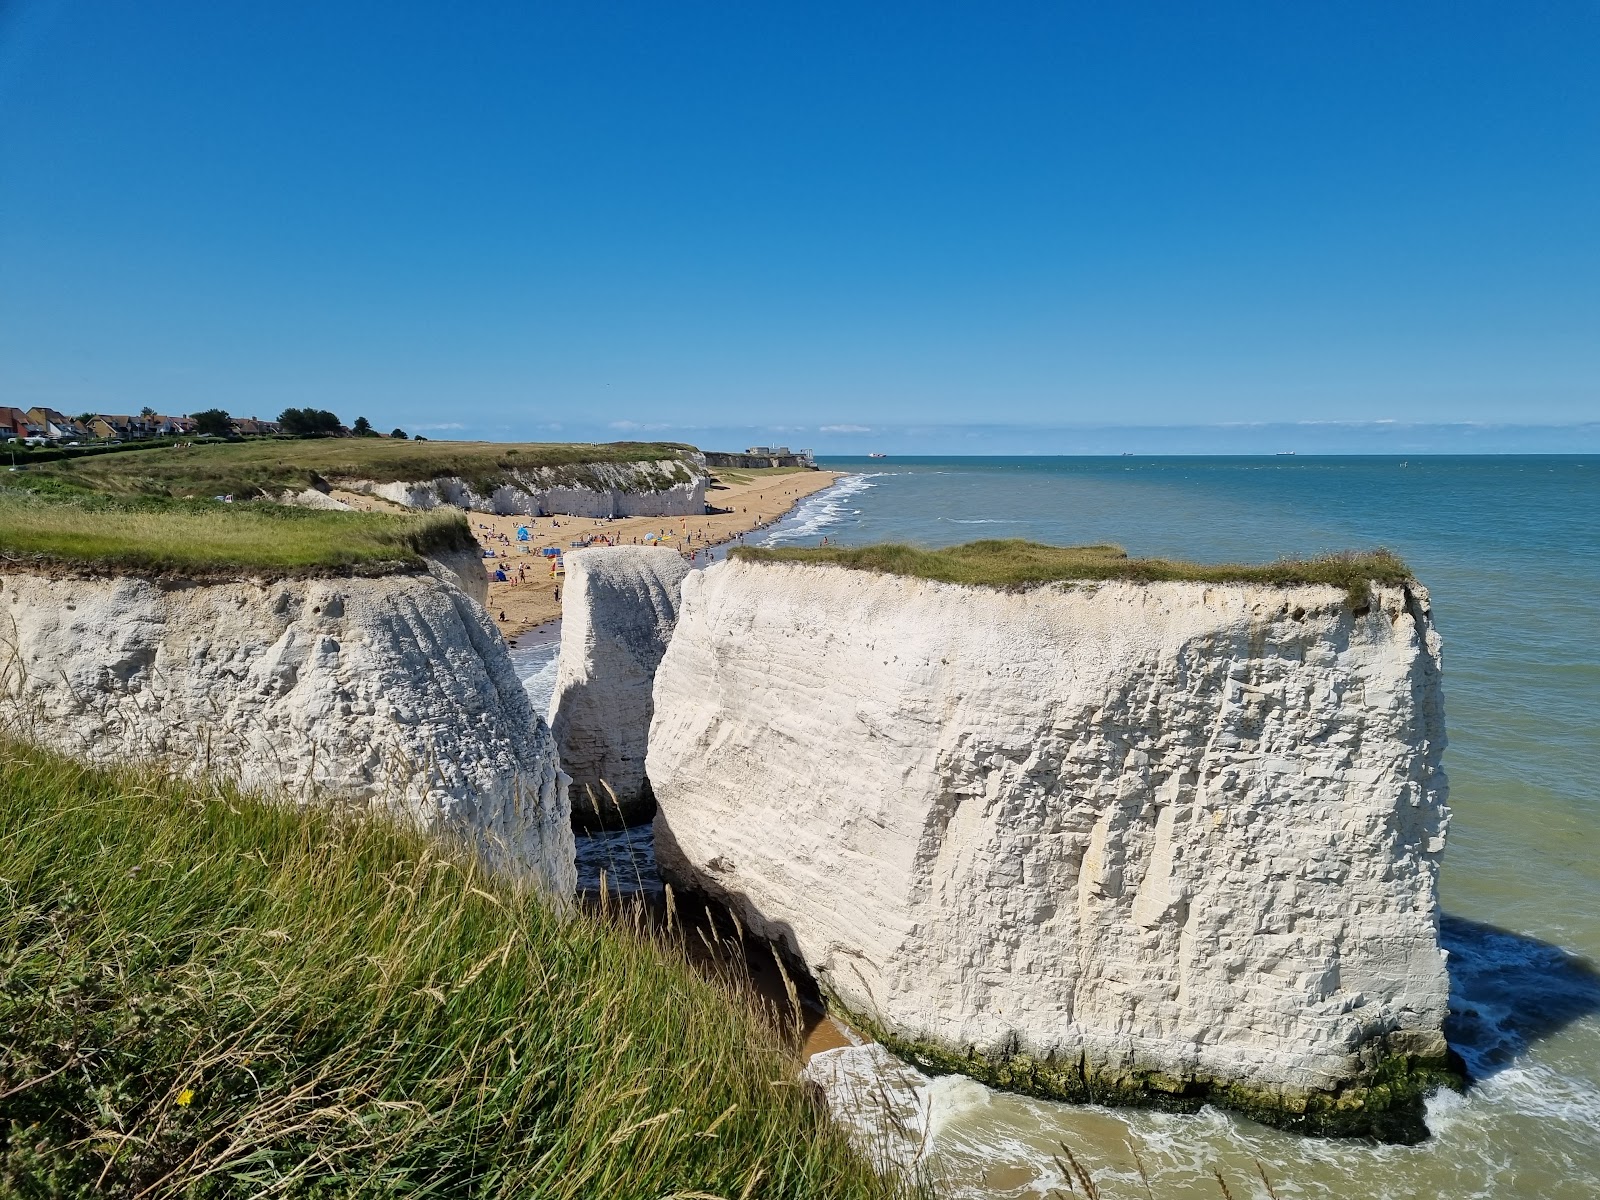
{"x": 536, "y": 666}
{"x": 822, "y": 511}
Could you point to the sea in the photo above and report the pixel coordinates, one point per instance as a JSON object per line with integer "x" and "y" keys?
{"x": 1509, "y": 548}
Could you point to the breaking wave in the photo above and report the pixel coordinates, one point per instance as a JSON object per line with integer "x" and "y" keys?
{"x": 816, "y": 514}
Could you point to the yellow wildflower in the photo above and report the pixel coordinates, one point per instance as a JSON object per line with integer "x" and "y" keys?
{"x": 184, "y": 1097}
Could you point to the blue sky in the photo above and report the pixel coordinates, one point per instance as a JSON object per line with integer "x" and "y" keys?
{"x": 919, "y": 228}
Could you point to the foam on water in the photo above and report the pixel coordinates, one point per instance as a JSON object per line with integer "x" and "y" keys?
{"x": 813, "y": 516}
{"x": 534, "y": 660}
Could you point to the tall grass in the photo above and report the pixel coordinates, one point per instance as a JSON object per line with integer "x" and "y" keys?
{"x": 1017, "y": 563}
{"x": 205, "y": 995}
{"x": 202, "y": 536}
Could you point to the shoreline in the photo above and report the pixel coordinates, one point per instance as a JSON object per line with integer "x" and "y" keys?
{"x": 528, "y": 601}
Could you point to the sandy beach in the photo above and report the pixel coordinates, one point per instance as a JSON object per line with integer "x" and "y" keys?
{"x": 530, "y": 597}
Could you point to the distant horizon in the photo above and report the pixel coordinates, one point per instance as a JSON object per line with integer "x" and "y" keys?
{"x": 1006, "y": 441}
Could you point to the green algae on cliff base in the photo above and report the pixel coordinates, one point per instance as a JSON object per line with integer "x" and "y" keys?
{"x": 1386, "y": 1104}
{"x": 1013, "y": 562}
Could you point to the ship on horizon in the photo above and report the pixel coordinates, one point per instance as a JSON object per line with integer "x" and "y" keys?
{"x": 877, "y": 454}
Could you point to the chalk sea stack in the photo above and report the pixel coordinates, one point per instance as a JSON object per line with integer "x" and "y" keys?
{"x": 618, "y": 612}
{"x": 1160, "y": 843}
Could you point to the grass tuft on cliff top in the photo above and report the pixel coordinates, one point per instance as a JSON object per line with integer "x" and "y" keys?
{"x": 61, "y": 526}
{"x": 1016, "y": 563}
{"x": 207, "y": 995}
{"x": 276, "y": 464}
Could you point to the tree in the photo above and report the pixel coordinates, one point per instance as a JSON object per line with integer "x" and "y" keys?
{"x": 308, "y": 422}
{"x": 398, "y": 434}
{"x": 213, "y": 422}
{"x": 363, "y": 428}
{"x": 147, "y": 412}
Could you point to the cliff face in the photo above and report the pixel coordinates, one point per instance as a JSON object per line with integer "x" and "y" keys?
{"x": 668, "y": 488}
{"x": 617, "y": 615}
{"x": 392, "y": 690}
{"x": 1160, "y": 843}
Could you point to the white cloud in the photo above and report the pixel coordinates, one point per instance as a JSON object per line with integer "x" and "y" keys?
{"x": 845, "y": 429}
{"x": 634, "y": 426}
{"x": 444, "y": 425}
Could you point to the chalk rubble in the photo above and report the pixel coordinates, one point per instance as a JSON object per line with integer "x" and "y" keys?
{"x": 618, "y": 609}
{"x": 1150, "y": 843}
{"x": 392, "y": 691}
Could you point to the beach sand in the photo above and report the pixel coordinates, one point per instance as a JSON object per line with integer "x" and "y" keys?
{"x": 756, "y": 497}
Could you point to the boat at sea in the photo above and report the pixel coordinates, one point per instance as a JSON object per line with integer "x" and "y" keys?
{"x": 877, "y": 454}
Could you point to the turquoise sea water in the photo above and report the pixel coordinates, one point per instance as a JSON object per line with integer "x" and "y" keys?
{"x": 1510, "y": 550}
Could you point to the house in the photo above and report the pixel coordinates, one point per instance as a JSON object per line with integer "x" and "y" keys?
{"x": 58, "y": 426}
{"x": 14, "y": 423}
{"x": 124, "y": 428}
{"x": 251, "y": 427}
{"x": 172, "y": 426}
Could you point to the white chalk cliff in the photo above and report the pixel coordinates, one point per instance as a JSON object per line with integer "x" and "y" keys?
{"x": 392, "y": 691}
{"x": 617, "y": 613}
{"x": 664, "y": 488}
{"x": 1156, "y": 843}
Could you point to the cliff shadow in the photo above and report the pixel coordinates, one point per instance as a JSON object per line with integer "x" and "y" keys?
{"x": 717, "y": 942}
{"x": 1509, "y": 991}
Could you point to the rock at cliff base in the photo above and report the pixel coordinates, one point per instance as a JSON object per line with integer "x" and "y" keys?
{"x": 1160, "y": 843}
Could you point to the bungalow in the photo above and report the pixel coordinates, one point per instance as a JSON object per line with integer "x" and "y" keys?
{"x": 251, "y": 427}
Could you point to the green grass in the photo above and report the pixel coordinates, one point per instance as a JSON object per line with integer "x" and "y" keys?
{"x": 268, "y": 465}
{"x": 205, "y": 995}
{"x": 1016, "y": 563}
{"x": 60, "y": 525}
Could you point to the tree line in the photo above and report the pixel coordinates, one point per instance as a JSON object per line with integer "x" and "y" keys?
{"x": 296, "y": 422}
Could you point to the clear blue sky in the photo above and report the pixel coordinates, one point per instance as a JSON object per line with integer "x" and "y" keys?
{"x": 974, "y": 226}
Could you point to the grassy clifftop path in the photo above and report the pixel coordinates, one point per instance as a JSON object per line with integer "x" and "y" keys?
{"x": 207, "y": 995}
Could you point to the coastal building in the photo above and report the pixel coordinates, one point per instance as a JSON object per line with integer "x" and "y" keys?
{"x": 172, "y": 426}
{"x": 253, "y": 427}
{"x": 121, "y": 427}
{"x": 56, "y": 425}
{"x": 756, "y": 457}
{"x": 15, "y": 424}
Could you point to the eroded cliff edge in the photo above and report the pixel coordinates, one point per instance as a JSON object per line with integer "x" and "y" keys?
{"x": 391, "y": 690}
{"x": 1159, "y": 843}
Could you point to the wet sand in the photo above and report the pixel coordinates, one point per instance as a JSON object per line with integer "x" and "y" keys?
{"x": 529, "y": 598}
